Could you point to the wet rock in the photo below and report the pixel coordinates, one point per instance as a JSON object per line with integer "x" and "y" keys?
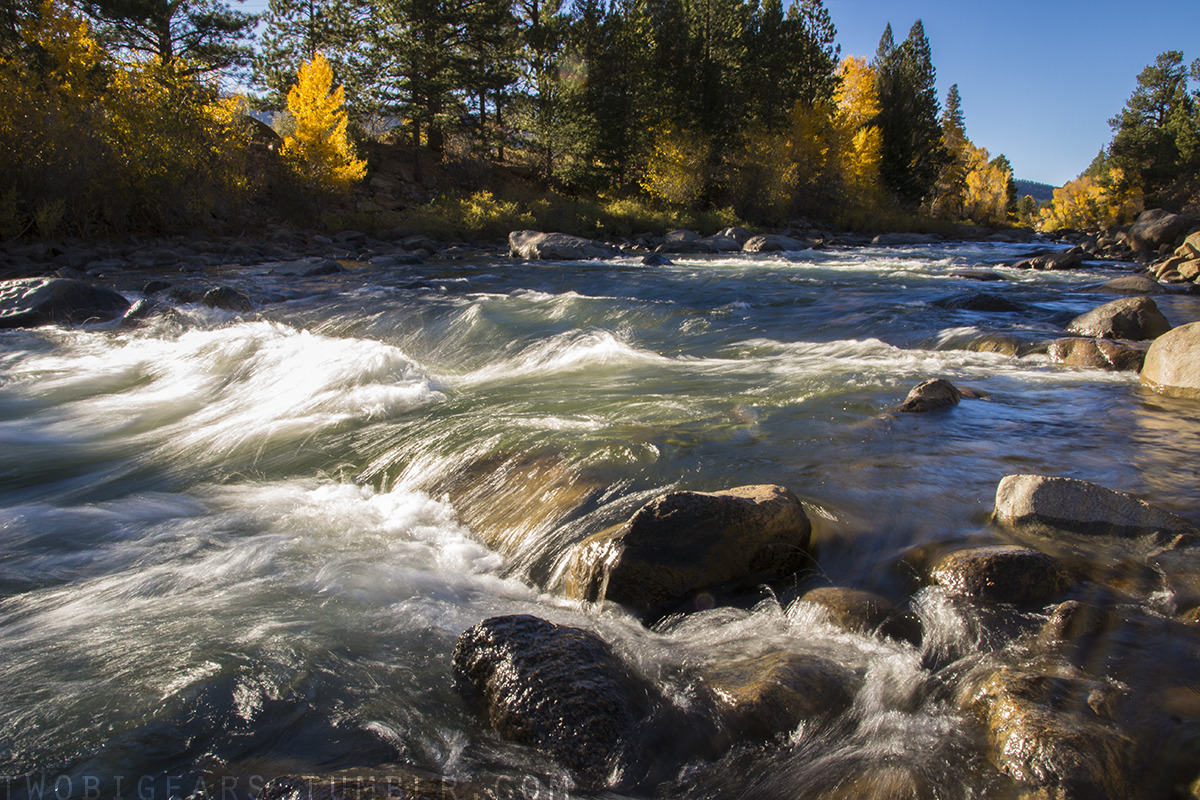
{"x": 155, "y": 286}
{"x": 1128, "y": 318}
{"x": 1132, "y": 284}
{"x": 890, "y": 782}
{"x": 1155, "y": 228}
{"x": 1172, "y": 364}
{"x": 556, "y": 688}
{"x": 978, "y": 301}
{"x": 657, "y": 260}
{"x": 983, "y": 275}
{"x": 309, "y": 267}
{"x": 1050, "y": 726}
{"x": 1072, "y": 622}
{"x": 228, "y": 299}
{"x": 763, "y": 697}
{"x": 142, "y": 310}
{"x": 683, "y": 544}
{"x": 1096, "y": 353}
{"x": 932, "y": 395}
{"x": 556, "y": 246}
{"x": 768, "y": 243}
{"x": 740, "y": 235}
{"x": 894, "y": 239}
{"x": 851, "y": 609}
{"x": 397, "y": 260}
{"x": 997, "y": 343}
{"x": 30, "y": 302}
{"x": 1066, "y": 259}
{"x": 386, "y": 782}
{"x": 1079, "y": 507}
{"x": 1002, "y": 574}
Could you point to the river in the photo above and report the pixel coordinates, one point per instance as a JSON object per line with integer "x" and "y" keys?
{"x": 235, "y": 546}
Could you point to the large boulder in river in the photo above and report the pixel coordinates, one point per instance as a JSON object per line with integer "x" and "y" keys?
{"x": 556, "y": 247}
{"x": 1132, "y": 284}
{"x": 1074, "y": 506}
{"x": 1002, "y": 574}
{"x": 771, "y": 243}
{"x": 1052, "y": 727}
{"x": 1096, "y": 353}
{"x": 1059, "y": 260}
{"x": 1172, "y": 365}
{"x": 682, "y": 545}
{"x": 1156, "y": 227}
{"x": 932, "y": 395}
{"x": 1127, "y": 318}
{"x": 29, "y": 302}
{"x": 774, "y": 693}
{"x": 553, "y": 687}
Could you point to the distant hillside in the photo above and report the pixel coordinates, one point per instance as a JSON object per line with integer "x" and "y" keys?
{"x": 1040, "y": 191}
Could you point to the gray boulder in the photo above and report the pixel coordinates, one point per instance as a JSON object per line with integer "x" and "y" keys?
{"x": 1128, "y": 318}
{"x": 1155, "y": 228}
{"x": 1096, "y": 353}
{"x": 556, "y": 247}
{"x": 773, "y": 694}
{"x": 1002, "y": 574}
{"x": 1066, "y": 259}
{"x": 1132, "y": 284}
{"x": 770, "y": 243}
{"x": 1079, "y": 507}
{"x": 893, "y": 239}
{"x": 932, "y": 395}
{"x": 683, "y": 544}
{"x": 553, "y": 687}
{"x": 226, "y": 298}
{"x": 30, "y": 302}
{"x": 1172, "y": 365}
{"x": 740, "y": 234}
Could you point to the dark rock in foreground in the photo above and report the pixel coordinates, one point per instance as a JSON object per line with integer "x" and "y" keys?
{"x": 30, "y": 302}
{"x": 685, "y": 543}
{"x": 555, "y": 688}
{"x": 1172, "y": 365}
{"x": 1002, "y": 574}
{"x": 228, "y": 299}
{"x": 1079, "y": 507}
{"x": 932, "y": 395}
{"x": 1135, "y": 318}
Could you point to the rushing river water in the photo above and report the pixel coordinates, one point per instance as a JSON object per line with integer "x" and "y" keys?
{"x": 235, "y": 546}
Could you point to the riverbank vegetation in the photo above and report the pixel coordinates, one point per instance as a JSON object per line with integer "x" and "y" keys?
{"x": 121, "y": 116}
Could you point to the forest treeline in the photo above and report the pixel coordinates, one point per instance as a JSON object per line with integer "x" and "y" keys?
{"x": 115, "y": 114}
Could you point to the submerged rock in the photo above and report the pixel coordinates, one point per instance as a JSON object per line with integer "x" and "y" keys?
{"x": 685, "y": 543}
{"x": 556, "y": 688}
{"x": 1128, "y": 318}
{"x": 1097, "y": 353}
{"x": 1172, "y": 365}
{"x": 772, "y": 694}
{"x": 860, "y": 611}
{"x": 1079, "y": 507}
{"x": 556, "y": 246}
{"x": 978, "y": 301}
{"x": 30, "y": 302}
{"x": 228, "y": 299}
{"x": 1002, "y": 574}
{"x": 657, "y": 260}
{"x": 1051, "y": 726}
{"x": 932, "y": 395}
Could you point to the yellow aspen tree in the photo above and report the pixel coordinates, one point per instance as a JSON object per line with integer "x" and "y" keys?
{"x": 985, "y": 201}
{"x": 678, "y": 167}
{"x": 860, "y": 143}
{"x": 319, "y": 149}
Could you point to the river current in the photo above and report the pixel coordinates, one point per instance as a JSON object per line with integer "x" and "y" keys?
{"x": 234, "y": 546}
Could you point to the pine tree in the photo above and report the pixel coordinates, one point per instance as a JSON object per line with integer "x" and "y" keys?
{"x": 319, "y": 150}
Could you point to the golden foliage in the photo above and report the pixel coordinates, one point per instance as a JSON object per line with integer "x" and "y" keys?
{"x": 319, "y": 149}
{"x": 985, "y": 201}
{"x": 678, "y": 168}
{"x": 1091, "y": 203}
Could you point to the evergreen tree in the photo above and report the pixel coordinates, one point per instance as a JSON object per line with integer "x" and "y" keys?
{"x": 186, "y": 37}
{"x": 791, "y": 59}
{"x": 913, "y": 153}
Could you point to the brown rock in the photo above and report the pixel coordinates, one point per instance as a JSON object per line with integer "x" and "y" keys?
{"x": 1155, "y": 228}
{"x": 685, "y": 543}
{"x": 1172, "y": 364}
{"x": 1002, "y": 574}
{"x": 1132, "y": 284}
{"x": 931, "y": 395}
{"x": 851, "y": 609}
{"x": 1096, "y": 353}
{"x": 1128, "y": 318}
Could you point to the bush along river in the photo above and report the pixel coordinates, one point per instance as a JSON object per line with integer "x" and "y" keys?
{"x": 495, "y": 527}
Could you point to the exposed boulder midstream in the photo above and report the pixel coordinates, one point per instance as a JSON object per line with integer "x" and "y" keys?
{"x": 931, "y": 395}
{"x": 978, "y": 301}
{"x": 1002, "y": 574}
{"x": 556, "y": 688}
{"x": 1040, "y": 502}
{"x": 1172, "y": 365}
{"x": 30, "y": 302}
{"x": 770, "y": 243}
{"x": 1059, "y": 260}
{"x": 1128, "y": 318}
{"x": 556, "y": 246}
{"x": 684, "y": 544}
{"x": 1096, "y": 353}
{"x": 773, "y": 694}
{"x": 1132, "y": 284}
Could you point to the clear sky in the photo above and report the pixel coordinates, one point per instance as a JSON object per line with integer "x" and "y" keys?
{"x": 1039, "y": 79}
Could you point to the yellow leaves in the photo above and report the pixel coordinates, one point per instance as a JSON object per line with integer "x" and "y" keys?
{"x": 319, "y": 149}
{"x": 1090, "y": 203}
{"x": 986, "y": 199}
{"x": 856, "y": 98}
{"x": 677, "y": 172}
{"x": 65, "y": 38}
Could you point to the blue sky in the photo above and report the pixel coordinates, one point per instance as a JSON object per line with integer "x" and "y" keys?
{"x": 1039, "y": 79}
